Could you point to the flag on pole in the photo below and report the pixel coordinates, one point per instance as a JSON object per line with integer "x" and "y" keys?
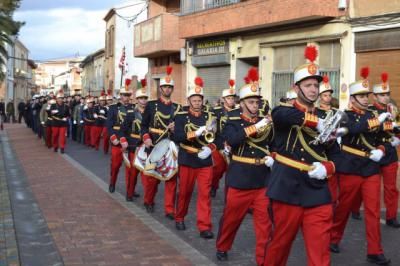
{"x": 122, "y": 60}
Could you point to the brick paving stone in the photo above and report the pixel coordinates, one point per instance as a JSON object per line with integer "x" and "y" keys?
{"x": 87, "y": 225}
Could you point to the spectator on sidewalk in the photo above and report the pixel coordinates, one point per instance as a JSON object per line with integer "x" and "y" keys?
{"x": 10, "y": 111}
{"x": 2, "y": 110}
{"x": 21, "y": 110}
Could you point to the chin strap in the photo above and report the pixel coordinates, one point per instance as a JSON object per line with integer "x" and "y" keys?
{"x": 305, "y": 98}
{"x": 248, "y": 110}
{"x": 355, "y": 97}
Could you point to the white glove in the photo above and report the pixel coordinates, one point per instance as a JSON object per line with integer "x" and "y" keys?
{"x": 200, "y": 131}
{"x": 269, "y": 161}
{"x": 64, "y": 119}
{"x": 382, "y": 117}
{"x": 115, "y": 142}
{"x": 85, "y": 107}
{"x": 376, "y": 155}
{"x": 321, "y": 125}
{"x": 395, "y": 141}
{"x": 54, "y": 111}
{"x": 95, "y": 116}
{"x": 42, "y": 123}
{"x": 204, "y": 153}
{"x": 124, "y": 145}
{"x": 102, "y": 111}
{"x": 227, "y": 150}
{"x": 262, "y": 123}
{"x": 74, "y": 122}
{"x": 319, "y": 171}
{"x": 81, "y": 121}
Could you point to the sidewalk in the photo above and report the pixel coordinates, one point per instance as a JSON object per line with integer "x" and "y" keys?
{"x": 88, "y": 226}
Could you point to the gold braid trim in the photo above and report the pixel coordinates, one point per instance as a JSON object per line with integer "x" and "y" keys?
{"x": 306, "y": 147}
{"x": 366, "y": 143}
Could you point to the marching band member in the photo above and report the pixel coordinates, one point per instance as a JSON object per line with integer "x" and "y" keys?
{"x": 131, "y": 128}
{"x": 158, "y": 124}
{"x": 358, "y": 169}
{"x": 115, "y": 118}
{"x": 106, "y": 137}
{"x": 195, "y": 160}
{"x": 59, "y": 113}
{"x": 298, "y": 189}
{"x": 99, "y": 128}
{"x": 324, "y": 107}
{"x": 249, "y": 134}
{"x": 291, "y": 96}
{"x": 221, "y": 112}
{"x": 89, "y": 120}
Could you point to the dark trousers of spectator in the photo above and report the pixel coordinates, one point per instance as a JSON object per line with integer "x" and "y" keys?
{"x": 20, "y": 115}
{"x": 79, "y": 133}
{"x": 10, "y": 118}
{"x": 74, "y": 132}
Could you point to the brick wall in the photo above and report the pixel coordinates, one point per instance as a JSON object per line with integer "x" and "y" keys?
{"x": 363, "y": 8}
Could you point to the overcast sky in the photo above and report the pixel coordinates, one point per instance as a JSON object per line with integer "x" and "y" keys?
{"x": 63, "y": 28}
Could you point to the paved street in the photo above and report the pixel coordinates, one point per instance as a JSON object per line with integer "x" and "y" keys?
{"x": 57, "y": 211}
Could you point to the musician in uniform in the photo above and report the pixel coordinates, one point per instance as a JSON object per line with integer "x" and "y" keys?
{"x": 59, "y": 113}
{"x": 158, "y": 124}
{"x": 298, "y": 188}
{"x": 219, "y": 155}
{"x": 291, "y": 96}
{"x": 115, "y": 118}
{"x": 324, "y": 108}
{"x": 89, "y": 120}
{"x": 249, "y": 135}
{"x": 46, "y": 120}
{"x": 99, "y": 129}
{"x": 358, "y": 169}
{"x": 195, "y": 160}
{"x": 131, "y": 129}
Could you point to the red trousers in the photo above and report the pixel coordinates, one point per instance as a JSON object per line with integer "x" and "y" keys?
{"x": 87, "y": 132}
{"x": 106, "y": 140}
{"x": 150, "y": 187}
{"x": 131, "y": 176}
{"x": 369, "y": 187}
{"x": 187, "y": 180}
{"x": 116, "y": 162}
{"x": 286, "y": 220}
{"x": 333, "y": 188}
{"x": 237, "y": 203}
{"x": 95, "y": 134}
{"x": 390, "y": 191}
{"x": 48, "y": 137}
{"x": 58, "y": 135}
{"x": 219, "y": 168}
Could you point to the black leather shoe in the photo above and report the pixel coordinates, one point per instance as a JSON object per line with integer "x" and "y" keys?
{"x": 334, "y": 248}
{"x": 62, "y": 150}
{"x": 379, "y": 259}
{"x": 170, "y": 216}
{"x": 207, "y": 234}
{"x": 393, "y": 223}
{"x": 111, "y": 188}
{"x": 149, "y": 208}
{"x": 222, "y": 255}
{"x": 356, "y": 216}
{"x": 213, "y": 192}
{"x": 55, "y": 149}
{"x": 129, "y": 198}
{"x": 180, "y": 226}
{"x": 136, "y": 195}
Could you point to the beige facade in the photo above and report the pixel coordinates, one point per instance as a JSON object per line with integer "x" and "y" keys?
{"x": 93, "y": 73}
{"x": 109, "y": 54}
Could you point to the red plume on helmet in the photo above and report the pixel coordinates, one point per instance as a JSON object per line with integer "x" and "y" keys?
{"x": 102, "y": 93}
{"x": 169, "y": 70}
{"x": 325, "y": 79}
{"x": 364, "y": 72}
{"x": 127, "y": 82}
{"x": 311, "y": 53}
{"x": 384, "y": 77}
{"x": 109, "y": 92}
{"x": 231, "y": 82}
{"x": 253, "y": 74}
{"x": 198, "y": 81}
{"x": 246, "y": 80}
{"x": 143, "y": 82}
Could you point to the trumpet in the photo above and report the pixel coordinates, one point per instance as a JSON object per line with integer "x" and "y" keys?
{"x": 331, "y": 125}
{"x": 211, "y": 128}
{"x": 395, "y": 114}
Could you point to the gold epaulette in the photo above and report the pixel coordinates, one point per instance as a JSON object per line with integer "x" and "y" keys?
{"x": 234, "y": 118}
{"x": 285, "y": 104}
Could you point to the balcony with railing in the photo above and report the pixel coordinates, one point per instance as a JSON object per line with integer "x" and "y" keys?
{"x": 200, "y": 18}
{"x": 192, "y": 6}
{"x": 157, "y": 36}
